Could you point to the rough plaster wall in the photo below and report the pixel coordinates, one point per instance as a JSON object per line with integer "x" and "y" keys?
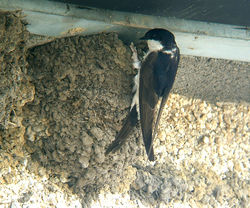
{"x": 213, "y": 80}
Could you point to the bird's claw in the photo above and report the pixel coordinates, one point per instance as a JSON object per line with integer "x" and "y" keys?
{"x": 136, "y": 61}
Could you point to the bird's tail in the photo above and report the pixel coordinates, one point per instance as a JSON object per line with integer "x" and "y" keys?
{"x": 121, "y": 137}
{"x": 147, "y": 138}
{"x": 150, "y": 153}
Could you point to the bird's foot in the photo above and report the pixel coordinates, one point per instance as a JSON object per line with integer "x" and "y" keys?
{"x": 136, "y": 61}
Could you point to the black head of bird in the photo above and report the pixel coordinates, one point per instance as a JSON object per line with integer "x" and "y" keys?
{"x": 159, "y": 39}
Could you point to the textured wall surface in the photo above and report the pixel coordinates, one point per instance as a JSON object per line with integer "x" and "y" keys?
{"x": 82, "y": 94}
{"x": 63, "y": 102}
{"x": 14, "y": 88}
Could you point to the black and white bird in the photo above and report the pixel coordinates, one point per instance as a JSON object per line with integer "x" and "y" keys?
{"x": 155, "y": 78}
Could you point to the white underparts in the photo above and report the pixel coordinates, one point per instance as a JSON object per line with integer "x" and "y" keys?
{"x": 154, "y": 45}
{"x": 170, "y": 52}
{"x": 135, "y": 100}
{"x": 136, "y": 65}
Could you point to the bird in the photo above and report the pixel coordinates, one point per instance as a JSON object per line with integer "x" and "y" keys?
{"x": 152, "y": 85}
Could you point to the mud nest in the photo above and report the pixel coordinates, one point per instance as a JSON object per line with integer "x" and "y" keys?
{"x": 82, "y": 94}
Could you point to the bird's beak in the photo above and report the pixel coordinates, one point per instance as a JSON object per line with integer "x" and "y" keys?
{"x": 143, "y": 38}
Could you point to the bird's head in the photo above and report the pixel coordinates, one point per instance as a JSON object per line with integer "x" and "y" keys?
{"x": 159, "y": 39}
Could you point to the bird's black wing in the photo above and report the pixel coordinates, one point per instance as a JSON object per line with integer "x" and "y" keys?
{"x": 148, "y": 99}
{"x": 169, "y": 63}
{"x": 157, "y": 76}
{"x": 121, "y": 137}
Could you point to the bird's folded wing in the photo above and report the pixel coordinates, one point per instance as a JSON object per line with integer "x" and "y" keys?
{"x": 148, "y": 100}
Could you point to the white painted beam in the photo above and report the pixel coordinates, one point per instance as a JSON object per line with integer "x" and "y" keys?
{"x": 214, "y": 47}
{"x": 193, "y": 37}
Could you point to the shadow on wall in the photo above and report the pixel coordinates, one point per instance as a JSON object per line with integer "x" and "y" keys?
{"x": 213, "y": 80}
